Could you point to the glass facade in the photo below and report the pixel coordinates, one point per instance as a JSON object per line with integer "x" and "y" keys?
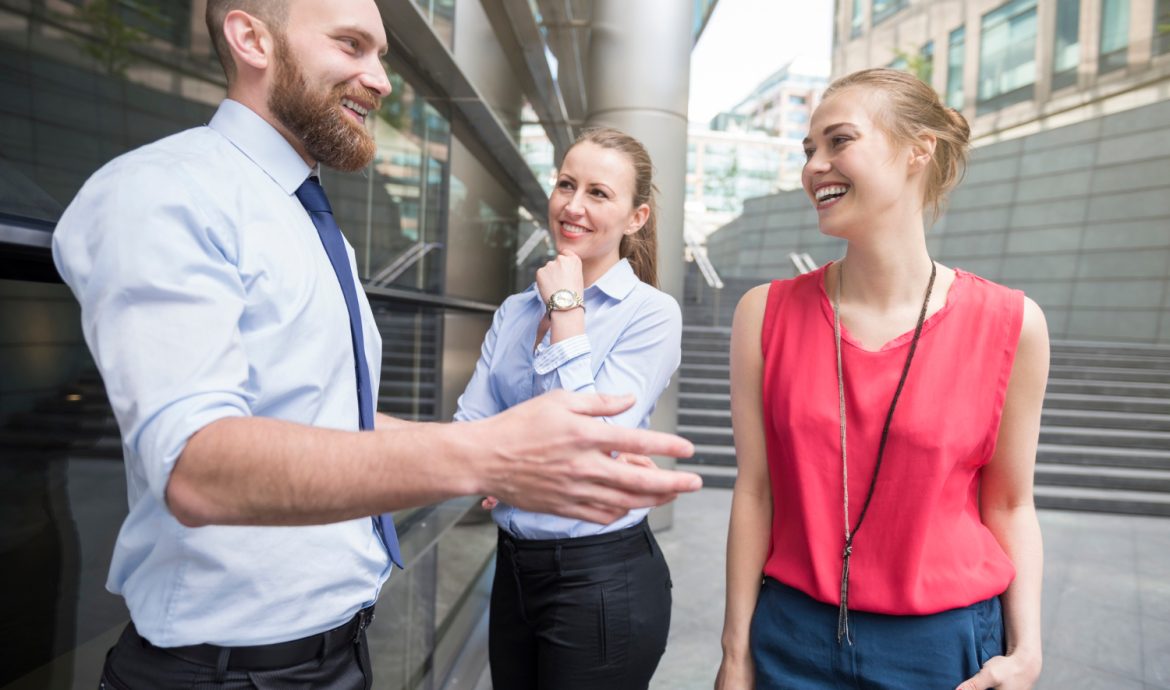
{"x": 1007, "y": 56}
{"x": 956, "y": 61}
{"x": 81, "y": 83}
{"x": 856, "y": 19}
{"x": 884, "y": 9}
{"x": 1066, "y": 48}
{"x": 1114, "y": 35}
{"x": 1161, "y": 27}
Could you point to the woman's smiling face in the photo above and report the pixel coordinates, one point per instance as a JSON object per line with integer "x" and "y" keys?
{"x": 591, "y": 208}
{"x": 854, "y": 172}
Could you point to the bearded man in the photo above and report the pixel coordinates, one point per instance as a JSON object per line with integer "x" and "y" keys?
{"x": 241, "y": 358}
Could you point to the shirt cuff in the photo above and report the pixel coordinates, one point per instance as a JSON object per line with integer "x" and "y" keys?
{"x": 555, "y": 356}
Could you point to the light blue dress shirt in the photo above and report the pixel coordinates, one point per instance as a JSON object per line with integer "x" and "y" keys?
{"x": 632, "y": 344}
{"x": 206, "y": 293}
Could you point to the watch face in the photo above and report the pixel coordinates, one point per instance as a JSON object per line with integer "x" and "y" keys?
{"x": 563, "y": 299}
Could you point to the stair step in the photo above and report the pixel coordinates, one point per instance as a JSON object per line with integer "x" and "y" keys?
{"x": 1125, "y": 388}
{"x": 1102, "y": 456}
{"x": 690, "y": 358}
{"x": 692, "y": 385}
{"x": 1105, "y": 374}
{"x": 705, "y": 370}
{"x": 722, "y": 456}
{"x": 693, "y": 400}
{"x": 1118, "y": 403}
{"x": 1110, "y": 349}
{"x": 1103, "y": 500}
{"x": 1052, "y": 474}
{"x": 1102, "y": 419}
{"x": 723, "y": 331}
{"x": 1113, "y": 438}
{"x": 1111, "y": 360}
{"x": 700, "y": 417}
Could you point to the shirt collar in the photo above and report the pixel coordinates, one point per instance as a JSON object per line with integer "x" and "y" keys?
{"x": 618, "y": 282}
{"x": 261, "y": 143}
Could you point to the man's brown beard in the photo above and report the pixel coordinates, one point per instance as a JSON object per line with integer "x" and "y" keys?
{"x": 329, "y": 136}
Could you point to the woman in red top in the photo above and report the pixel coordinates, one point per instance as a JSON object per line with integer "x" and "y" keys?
{"x": 886, "y": 412}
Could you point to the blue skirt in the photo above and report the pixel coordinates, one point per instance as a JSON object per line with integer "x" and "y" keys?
{"x": 794, "y": 644}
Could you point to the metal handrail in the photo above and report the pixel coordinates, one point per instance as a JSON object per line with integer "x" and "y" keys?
{"x": 529, "y": 244}
{"x": 404, "y": 261}
{"x": 803, "y": 262}
{"x": 706, "y": 268}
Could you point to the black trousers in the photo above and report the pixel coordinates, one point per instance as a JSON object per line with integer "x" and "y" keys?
{"x": 337, "y": 660}
{"x": 579, "y": 614}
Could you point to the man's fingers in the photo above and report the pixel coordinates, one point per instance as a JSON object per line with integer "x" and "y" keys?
{"x": 649, "y": 486}
{"x": 637, "y": 460}
{"x": 643, "y": 442}
{"x": 598, "y": 404}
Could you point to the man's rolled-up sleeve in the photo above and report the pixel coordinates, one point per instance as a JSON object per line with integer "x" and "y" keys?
{"x": 161, "y": 299}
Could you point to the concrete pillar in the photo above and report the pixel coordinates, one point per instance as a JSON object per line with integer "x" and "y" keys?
{"x": 638, "y": 81}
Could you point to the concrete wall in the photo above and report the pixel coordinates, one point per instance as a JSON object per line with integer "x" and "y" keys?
{"x": 1078, "y": 217}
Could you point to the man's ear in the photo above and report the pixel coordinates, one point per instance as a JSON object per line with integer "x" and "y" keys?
{"x": 249, "y": 39}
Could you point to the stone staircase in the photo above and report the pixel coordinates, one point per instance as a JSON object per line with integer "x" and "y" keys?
{"x": 1104, "y": 437}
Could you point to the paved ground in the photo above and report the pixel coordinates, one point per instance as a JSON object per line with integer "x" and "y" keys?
{"x": 1106, "y": 611}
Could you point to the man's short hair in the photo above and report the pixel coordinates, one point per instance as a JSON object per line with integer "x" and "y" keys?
{"x": 271, "y": 12}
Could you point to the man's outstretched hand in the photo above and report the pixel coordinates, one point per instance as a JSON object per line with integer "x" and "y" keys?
{"x": 549, "y": 455}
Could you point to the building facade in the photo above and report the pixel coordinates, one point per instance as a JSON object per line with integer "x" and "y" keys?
{"x": 1066, "y": 196}
{"x": 754, "y": 148}
{"x": 436, "y": 222}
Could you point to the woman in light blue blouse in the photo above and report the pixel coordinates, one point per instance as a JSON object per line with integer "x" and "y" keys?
{"x": 579, "y": 604}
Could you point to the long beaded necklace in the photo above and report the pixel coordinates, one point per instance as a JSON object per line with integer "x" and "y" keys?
{"x": 850, "y": 535}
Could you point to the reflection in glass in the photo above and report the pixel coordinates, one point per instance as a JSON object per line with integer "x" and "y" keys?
{"x": 884, "y": 9}
{"x": 1066, "y": 49}
{"x": 1161, "y": 27}
{"x": 956, "y": 59}
{"x": 393, "y": 212}
{"x": 1007, "y": 55}
{"x": 1114, "y": 35}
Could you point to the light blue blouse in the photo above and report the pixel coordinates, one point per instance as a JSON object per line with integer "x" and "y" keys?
{"x": 631, "y": 345}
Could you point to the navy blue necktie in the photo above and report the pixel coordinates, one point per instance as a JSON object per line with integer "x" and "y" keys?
{"x": 312, "y": 197}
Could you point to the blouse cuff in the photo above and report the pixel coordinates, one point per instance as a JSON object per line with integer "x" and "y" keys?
{"x": 558, "y": 354}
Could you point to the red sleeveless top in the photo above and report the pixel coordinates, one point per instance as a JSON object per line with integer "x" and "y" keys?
{"x": 923, "y": 548}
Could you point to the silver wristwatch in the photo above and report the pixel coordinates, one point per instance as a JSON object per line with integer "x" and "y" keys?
{"x": 563, "y": 300}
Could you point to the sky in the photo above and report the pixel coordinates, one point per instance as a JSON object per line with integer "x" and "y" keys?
{"x": 747, "y": 40}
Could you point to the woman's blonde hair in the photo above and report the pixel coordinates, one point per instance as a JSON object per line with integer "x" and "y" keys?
{"x": 914, "y": 109}
{"x": 641, "y": 248}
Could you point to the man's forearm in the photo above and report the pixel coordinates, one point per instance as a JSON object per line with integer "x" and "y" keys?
{"x": 269, "y": 472}
{"x": 547, "y": 455}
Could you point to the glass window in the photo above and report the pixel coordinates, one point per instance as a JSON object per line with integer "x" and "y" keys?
{"x": 395, "y": 214}
{"x": 1066, "y": 49}
{"x": 855, "y": 21}
{"x": 441, "y": 15}
{"x": 884, "y": 9}
{"x": 925, "y": 68}
{"x": 1114, "y": 35}
{"x": 1162, "y": 27}
{"x": 1007, "y": 55}
{"x": 956, "y": 59}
